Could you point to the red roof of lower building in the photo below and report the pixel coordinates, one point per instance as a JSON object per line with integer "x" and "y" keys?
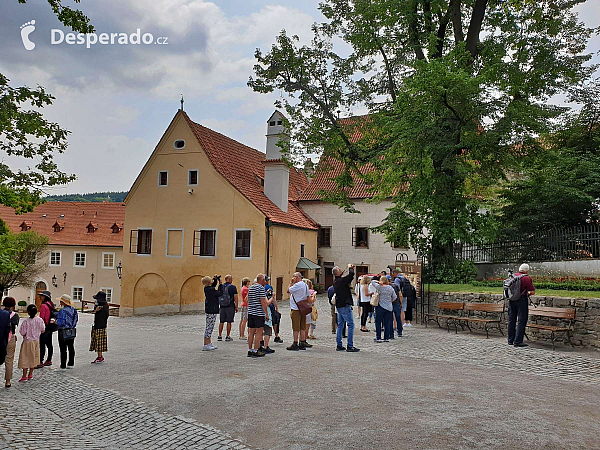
{"x": 74, "y": 218}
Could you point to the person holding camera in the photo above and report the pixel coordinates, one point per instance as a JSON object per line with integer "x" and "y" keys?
{"x": 343, "y": 303}
{"x": 211, "y": 308}
{"x": 229, "y": 307}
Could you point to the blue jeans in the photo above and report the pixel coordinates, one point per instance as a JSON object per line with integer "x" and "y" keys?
{"x": 518, "y": 309}
{"x": 383, "y": 317}
{"x": 344, "y": 316}
{"x": 398, "y": 313}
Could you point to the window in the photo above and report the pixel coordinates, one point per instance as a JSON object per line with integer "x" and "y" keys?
{"x": 279, "y": 122}
{"x": 272, "y": 123}
{"x": 301, "y": 250}
{"x": 79, "y": 259}
{"x": 108, "y": 291}
{"x": 179, "y": 144}
{"x": 163, "y": 178}
{"x": 140, "y": 242}
{"x": 77, "y": 293}
{"x": 55, "y": 258}
{"x": 242, "y": 243}
{"x": 108, "y": 260}
{"x": 205, "y": 243}
{"x": 324, "y": 237}
{"x": 175, "y": 242}
{"x": 193, "y": 177}
{"x": 360, "y": 237}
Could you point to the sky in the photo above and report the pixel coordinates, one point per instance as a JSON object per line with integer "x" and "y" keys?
{"x": 117, "y": 100}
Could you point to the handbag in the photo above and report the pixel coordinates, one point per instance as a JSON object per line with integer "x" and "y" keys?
{"x": 314, "y": 314}
{"x": 67, "y": 334}
{"x": 303, "y": 306}
{"x": 375, "y": 298}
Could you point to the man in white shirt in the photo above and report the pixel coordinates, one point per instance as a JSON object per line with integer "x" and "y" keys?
{"x": 298, "y": 292}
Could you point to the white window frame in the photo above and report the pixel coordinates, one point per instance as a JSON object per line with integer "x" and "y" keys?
{"x": 151, "y": 242}
{"x": 59, "y": 258}
{"x": 113, "y": 262}
{"x": 197, "y": 177}
{"x": 73, "y": 293}
{"x": 216, "y": 241}
{"x": 84, "y": 259}
{"x": 182, "y": 241}
{"x": 158, "y": 181}
{"x": 111, "y": 293}
{"x": 179, "y": 148}
{"x": 234, "y": 243}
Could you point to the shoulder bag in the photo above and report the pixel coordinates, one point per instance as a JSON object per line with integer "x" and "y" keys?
{"x": 303, "y": 306}
{"x": 375, "y": 298}
{"x": 67, "y": 334}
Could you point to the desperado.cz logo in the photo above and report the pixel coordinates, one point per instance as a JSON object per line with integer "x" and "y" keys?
{"x": 58, "y": 37}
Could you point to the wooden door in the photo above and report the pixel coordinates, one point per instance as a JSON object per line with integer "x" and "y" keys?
{"x": 328, "y": 277}
{"x": 39, "y": 287}
{"x": 361, "y": 270}
{"x": 279, "y": 289}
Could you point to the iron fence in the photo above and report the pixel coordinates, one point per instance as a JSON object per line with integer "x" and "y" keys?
{"x": 557, "y": 244}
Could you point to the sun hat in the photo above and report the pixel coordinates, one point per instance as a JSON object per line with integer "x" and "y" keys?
{"x": 66, "y": 299}
{"x": 100, "y": 296}
{"x": 524, "y": 268}
{"x": 46, "y": 294}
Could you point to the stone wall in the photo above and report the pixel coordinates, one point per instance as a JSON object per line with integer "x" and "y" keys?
{"x": 586, "y": 326}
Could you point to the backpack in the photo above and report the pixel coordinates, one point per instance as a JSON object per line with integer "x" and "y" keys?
{"x": 512, "y": 287}
{"x": 412, "y": 297}
{"x": 225, "y": 299}
{"x": 332, "y": 301}
{"x": 12, "y": 313}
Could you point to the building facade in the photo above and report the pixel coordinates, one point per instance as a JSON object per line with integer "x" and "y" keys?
{"x": 86, "y": 246}
{"x": 205, "y": 204}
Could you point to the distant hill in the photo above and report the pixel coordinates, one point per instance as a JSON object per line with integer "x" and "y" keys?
{"x": 113, "y": 197}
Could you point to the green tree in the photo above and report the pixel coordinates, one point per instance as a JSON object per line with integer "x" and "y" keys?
{"x": 21, "y": 258}
{"x": 456, "y": 91}
{"x": 25, "y": 134}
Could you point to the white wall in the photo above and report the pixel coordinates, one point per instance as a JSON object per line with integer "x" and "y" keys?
{"x": 379, "y": 254}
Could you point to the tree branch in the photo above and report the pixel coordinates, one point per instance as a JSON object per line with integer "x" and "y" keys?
{"x": 457, "y": 21}
{"x": 413, "y": 31}
{"x": 441, "y": 33}
{"x": 475, "y": 26}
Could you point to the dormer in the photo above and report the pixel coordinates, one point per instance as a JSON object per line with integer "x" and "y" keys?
{"x": 58, "y": 226}
{"x": 26, "y": 225}
{"x": 92, "y": 227}
{"x": 117, "y": 227}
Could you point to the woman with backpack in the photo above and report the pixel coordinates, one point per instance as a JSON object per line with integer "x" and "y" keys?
{"x": 99, "y": 342}
{"x": 48, "y": 314}
{"x": 31, "y": 329}
{"x": 9, "y": 304}
{"x": 67, "y": 322}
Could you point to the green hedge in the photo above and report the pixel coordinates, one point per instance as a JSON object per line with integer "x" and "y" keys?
{"x": 583, "y": 285}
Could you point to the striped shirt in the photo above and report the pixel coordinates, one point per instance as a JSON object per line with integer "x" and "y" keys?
{"x": 255, "y": 293}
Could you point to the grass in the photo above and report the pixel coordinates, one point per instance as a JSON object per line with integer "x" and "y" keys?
{"x": 498, "y": 290}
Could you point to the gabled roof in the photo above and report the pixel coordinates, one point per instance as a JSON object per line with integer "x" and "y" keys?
{"x": 235, "y": 162}
{"x": 77, "y": 216}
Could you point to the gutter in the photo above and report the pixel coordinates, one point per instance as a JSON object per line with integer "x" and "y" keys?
{"x": 268, "y": 225}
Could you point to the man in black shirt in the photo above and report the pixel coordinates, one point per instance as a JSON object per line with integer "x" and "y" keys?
{"x": 227, "y": 313}
{"x": 343, "y": 304}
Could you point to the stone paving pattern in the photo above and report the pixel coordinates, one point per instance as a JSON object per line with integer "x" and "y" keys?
{"x": 429, "y": 389}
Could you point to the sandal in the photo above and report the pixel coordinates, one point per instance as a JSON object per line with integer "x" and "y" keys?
{"x": 365, "y": 330}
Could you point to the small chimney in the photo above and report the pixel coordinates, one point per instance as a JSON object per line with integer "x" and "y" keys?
{"x": 277, "y": 173}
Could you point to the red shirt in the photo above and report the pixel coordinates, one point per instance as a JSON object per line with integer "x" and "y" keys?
{"x": 526, "y": 283}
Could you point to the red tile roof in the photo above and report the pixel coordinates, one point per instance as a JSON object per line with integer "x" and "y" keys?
{"x": 225, "y": 154}
{"x": 77, "y": 217}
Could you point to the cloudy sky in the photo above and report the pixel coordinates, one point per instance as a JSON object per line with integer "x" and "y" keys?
{"x": 117, "y": 100}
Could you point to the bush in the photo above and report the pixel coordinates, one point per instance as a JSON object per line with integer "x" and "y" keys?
{"x": 459, "y": 272}
{"x": 22, "y": 303}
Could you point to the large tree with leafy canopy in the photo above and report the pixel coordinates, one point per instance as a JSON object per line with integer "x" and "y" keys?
{"x": 27, "y": 136}
{"x": 457, "y": 93}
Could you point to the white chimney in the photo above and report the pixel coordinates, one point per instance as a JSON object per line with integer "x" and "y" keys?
{"x": 277, "y": 173}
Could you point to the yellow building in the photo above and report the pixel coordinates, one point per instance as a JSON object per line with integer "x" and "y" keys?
{"x": 205, "y": 204}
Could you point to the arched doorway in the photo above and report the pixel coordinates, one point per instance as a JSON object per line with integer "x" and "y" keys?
{"x": 39, "y": 287}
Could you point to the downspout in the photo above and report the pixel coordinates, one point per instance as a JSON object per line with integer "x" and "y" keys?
{"x": 268, "y": 224}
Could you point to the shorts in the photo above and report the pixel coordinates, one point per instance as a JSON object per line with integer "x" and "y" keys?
{"x": 276, "y": 317}
{"x": 267, "y": 330}
{"x": 256, "y": 321}
{"x": 227, "y": 314}
{"x": 298, "y": 320}
{"x": 245, "y": 312}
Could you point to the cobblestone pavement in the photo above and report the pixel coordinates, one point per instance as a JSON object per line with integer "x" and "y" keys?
{"x": 429, "y": 389}
{"x": 58, "y": 411}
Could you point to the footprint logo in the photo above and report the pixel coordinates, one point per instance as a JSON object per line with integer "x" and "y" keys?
{"x": 26, "y": 30}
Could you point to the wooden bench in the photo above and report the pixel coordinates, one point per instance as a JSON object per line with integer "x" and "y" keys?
{"x": 445, "y": 306}
{"x": 492, "y": 314}
{"x": 113, "y": 308}
{"x": 566, "y": 314}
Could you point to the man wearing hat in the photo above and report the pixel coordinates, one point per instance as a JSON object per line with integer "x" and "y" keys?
{"x": 519, "y": 309}
{"x": 67, "y": 323}
{"x": 48, "y": 315}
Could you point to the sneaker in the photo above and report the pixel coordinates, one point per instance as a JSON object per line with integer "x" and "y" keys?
{"x": 400, "y": 335}
{"x": 219, "y": 339}
{"x": 22, "y": 379}
{"x": 228, "y": 339}
{"x": 30, "y": 377}
{"x": 269, "y": 350}
{"x": 294, "y": 347}
{"x": 352, "y": 349}
{"x": 340, "y": 349}
{"x": 306, "y": 344}
{"x": 378, "y": 341}
{"x": 250, "y": 354}
{"x": 97, "y": 360}
{"x": 409, "y": 324}
{"x": 386, "y": 340}
{"x": 48, "y": 363}
{"x": 258, "y": 354}
{"x": 333, "y": 332}
{"x": 214, "y": 347}
{"x": 301, "y": 346}
{"x": 207, "y": 348}
{"x": 278, "y": 340}
{"x": 522, "y": 345}
{"x": 70, "y": 366}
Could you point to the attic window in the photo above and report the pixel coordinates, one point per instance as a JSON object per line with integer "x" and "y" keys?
{"x": 279, "y": 122}
{"x": 116, "y": 228}
{"x": 272, "y": 123}
{"x": 25, "y": 226}
{"x": 92, "y": 227}
{"x": 179, "y": 144}
{"x": 58, "y": 226}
